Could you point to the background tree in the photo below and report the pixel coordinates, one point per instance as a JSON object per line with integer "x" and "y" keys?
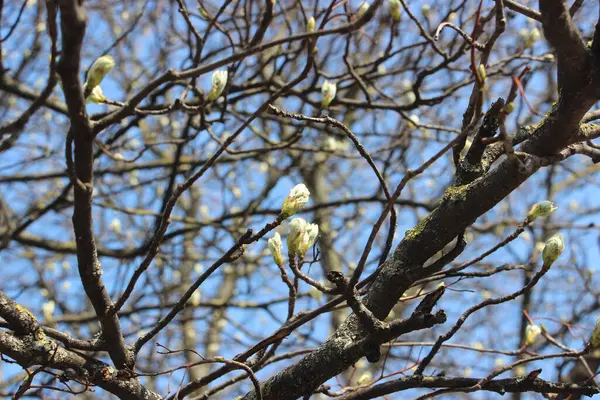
{"x": 147, "y": 147}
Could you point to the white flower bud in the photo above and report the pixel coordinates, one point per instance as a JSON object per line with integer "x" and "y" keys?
{"x": 219, "y": 81}
{"x": 308, "y": 238}
{"x": 328, "y": 90}
{"x": 553, "y": 249}
{"x": 275, "y": 246}
{"x": 296, "y": 230}
{"x": 531, "y": 333}
{"x": 395, "y": 9}
{"x": 99, "y": 69}
{"x": 414, "y": 120}
{"x": 541, "y": 209}
{"x": 297, "y": 198}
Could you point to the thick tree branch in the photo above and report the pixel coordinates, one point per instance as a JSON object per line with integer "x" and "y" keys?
{"x": 73, "y": 23}
{"x": 561, "y": 32}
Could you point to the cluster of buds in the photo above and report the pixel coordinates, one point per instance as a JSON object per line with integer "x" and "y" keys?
{"x": 553, "y": 249}
{"x": 328, "y": 90}
{"x": 99, "y": 69}
{"x": 302, "y": 235}
{"x": 530, "y": 36}
{"x": 218, "y": 83}
{"x": 541, "y": 209}
{"x": 395, "y": 9}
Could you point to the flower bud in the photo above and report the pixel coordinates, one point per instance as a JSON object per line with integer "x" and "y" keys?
{"x": 295, "y": 232}
{"x": 414, "y": 120}
{"x": 48, "y": 309}
{"x": 310, "y": 25}
{"x": 365, "y": 378}
{"x": 509, "y": 108}
{"x": 308, "y": 238}
{"x": 115, "y": 224}
{"x": 530, "y": 37}
{"x": 395, "y": 9}
{"x": 219, "y": 81}
{"x": 99, "y": 69}
{"x": 596, "y": 334}
{"x": 482, "y": 73}
{"x": 553, "y": 249}
{"x": 541, "y": 209}
{"x": 297, "y": 198}
{"x": 362, "y": 9}
{"x": 275, "y": 246}
{"x": 328, "y": 90}
{"x": 96, "y": 96}
{"x": 531, "y": 333}
{"x": 426, "y": 10}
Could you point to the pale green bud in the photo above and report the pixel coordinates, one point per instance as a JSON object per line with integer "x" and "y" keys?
{"x": 553, "y": 249}
{"x": 365, "y": 378}
{"x": 99, "y": 69}
{"x": 310, "y": 25}
{"x": 541, "y": 209}
{"x": 509, "y": 108}
{"x": 275, "y": 247}
{"x": 96, "y": 96}
{"x": 482, "y": 73}
{"x": 297, "y": 198}
{"x": 295, "y": 232}
{"x": 395, "y": 9}
{"x": 315, "y": 293}
{"x": 362, "y": 9}
{"x": 534, "y": 35}
{"x": 218, "y": 83}
{"x": 426, "y": 10}
{"x": 596, "y": 334}
{"x": 531, "y": 333}
{"x": 203, "y": 12}
{"x": 328, "y": 90}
